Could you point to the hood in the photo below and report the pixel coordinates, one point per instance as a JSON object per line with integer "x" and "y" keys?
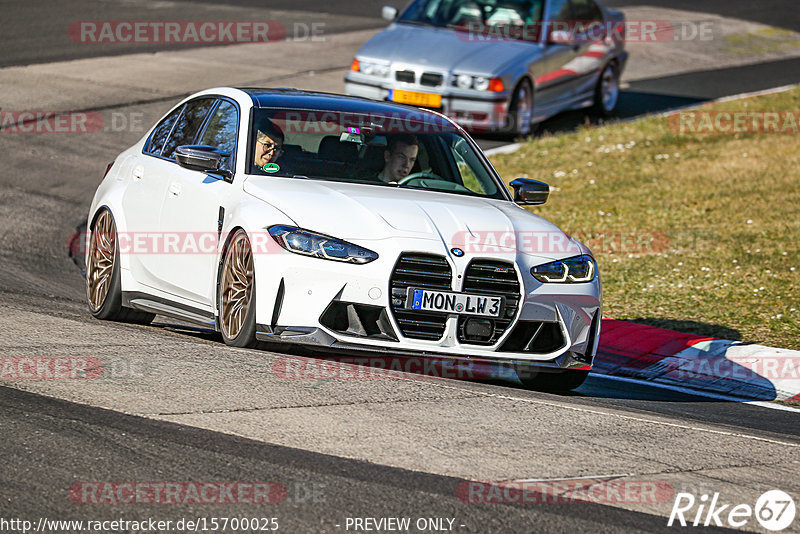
{"x": 361, "y": 213}
{"x": 443, "y": 49}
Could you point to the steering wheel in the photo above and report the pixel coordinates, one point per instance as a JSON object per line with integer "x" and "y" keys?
{"x": 419, "y": 176}
{"x": 440, "y": 184}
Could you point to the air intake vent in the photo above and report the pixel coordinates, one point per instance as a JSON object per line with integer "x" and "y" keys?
{"x": 407, "y": 76}
{"x": 422, "y": 271}
{"x": 487, "y": 277}
{"x": 431, "y": 79}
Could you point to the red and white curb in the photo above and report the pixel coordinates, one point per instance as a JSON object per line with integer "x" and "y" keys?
{"x": 731, "y": 369}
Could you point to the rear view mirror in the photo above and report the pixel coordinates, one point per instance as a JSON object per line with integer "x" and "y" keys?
{"x": 530, "y": 192}
{"x": 202, "y": 158}
{"x": 389, "y": 13}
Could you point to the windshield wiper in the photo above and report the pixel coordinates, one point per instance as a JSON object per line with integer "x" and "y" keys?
{"x": 417, "y": 23}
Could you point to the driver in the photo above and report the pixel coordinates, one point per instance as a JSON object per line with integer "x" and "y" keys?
{"x": 399, "y": 157}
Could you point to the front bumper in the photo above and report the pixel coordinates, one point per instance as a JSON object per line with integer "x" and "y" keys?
{"x": 297, "y": 309}
{"x": 476, "y": 114}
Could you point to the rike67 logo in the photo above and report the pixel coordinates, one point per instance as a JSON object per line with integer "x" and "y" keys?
{"x": 774, "y": 510}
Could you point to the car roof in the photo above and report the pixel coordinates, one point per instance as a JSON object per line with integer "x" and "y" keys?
{"x": 309, "y": 100}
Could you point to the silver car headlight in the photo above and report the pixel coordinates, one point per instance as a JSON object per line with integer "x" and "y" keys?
{"x": 479, "y": 83}
{"x": 464, "y": 81}
{"x": 577, "y": 270}
{"x": 374, "y": 69}
{"x": 322, "y": 246}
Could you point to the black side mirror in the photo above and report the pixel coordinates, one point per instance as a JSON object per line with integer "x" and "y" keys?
{"x": 202, "y": 158}
{"x": 530, "y": 192}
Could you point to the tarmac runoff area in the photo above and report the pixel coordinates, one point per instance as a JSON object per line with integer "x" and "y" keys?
{"x": 176, "y": 375}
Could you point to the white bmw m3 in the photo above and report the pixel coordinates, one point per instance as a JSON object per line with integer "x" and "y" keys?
{"x": 339, "y": 223}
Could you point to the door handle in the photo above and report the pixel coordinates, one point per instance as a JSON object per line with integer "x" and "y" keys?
{"x": 174, "y": 189}
{"x": 138, "y": 173}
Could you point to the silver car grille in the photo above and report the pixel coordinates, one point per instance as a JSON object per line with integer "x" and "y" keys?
{"x": 428, "y": 79}
{"x": 426, "y": 271}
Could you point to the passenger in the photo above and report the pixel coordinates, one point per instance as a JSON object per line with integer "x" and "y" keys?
{"x": 269, "y": 143}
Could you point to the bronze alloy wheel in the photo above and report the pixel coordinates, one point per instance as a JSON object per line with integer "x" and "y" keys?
{"x": 100, "y": 267}
{"x": 236, "y": 286}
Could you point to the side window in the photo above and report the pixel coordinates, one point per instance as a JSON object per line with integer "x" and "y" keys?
{"x": 561, "y": 10}
{"x": 221, "y": 131}
{"x": 161, "y": 132}
{"x": 188, "y": 125}
{"x": 587, "y": 11}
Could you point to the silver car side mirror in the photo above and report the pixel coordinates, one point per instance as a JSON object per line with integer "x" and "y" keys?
{"x": 389, "y": 13}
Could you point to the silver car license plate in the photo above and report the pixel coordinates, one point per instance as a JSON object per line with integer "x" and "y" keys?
{"x": 447, "y": 302}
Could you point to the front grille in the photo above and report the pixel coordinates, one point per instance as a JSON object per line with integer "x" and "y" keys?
{"x": 407, "y": 76}
{"x": 423, "y": 271}
{"x": 431, "y": 79}
{"x": 487, "y": 277}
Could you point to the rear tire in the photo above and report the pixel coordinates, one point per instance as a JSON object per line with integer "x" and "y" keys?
{"x": 558, "y": 382}
{"x": 236, "y": 294}
{"x": 103, "y": 287}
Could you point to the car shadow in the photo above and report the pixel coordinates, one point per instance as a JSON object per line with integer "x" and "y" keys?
{"x": 690, "y": 327}
{"x": 632, "y": 104}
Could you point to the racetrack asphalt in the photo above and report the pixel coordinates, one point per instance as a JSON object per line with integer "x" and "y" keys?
{"x": 202, "y": 411}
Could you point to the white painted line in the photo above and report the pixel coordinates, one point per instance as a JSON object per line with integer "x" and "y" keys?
{"x": 505, "y": 149}
{"x": 623, "y": 417}
{"x": 697, "y": 392}
{"x": 588, "y": 477}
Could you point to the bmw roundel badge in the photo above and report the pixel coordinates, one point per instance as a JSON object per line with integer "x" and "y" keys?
{"x": 457, "y": 252}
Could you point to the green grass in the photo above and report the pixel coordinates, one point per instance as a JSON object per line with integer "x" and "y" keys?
{"x": 761, "y": 42}
{"x": 698, "y": 233}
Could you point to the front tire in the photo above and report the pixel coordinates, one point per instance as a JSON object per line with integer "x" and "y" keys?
{"x": 236, "y": 297}
{"x": 606, "y": 94}
{"x": 552, "y": 382}
{"x": 521, "y": 109}
{"x": 103, "y": 287}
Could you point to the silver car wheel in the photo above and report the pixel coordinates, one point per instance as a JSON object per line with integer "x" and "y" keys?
{"x": 609, "y": 88}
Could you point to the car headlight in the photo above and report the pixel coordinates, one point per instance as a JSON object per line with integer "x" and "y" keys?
{"x": 575, "y": 270}
{"x": 480, "y": 83}
{"x": 321, "y": 246}
{"x": 464, "y": 81}
{"x": 373, "y": 69}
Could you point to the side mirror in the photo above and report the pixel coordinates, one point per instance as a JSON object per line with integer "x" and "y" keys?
{"x": 557, "y": 36}
{"x": 202, "y": 158}
{"x": 389, "y": 13}
{"x": 530, "y": 192}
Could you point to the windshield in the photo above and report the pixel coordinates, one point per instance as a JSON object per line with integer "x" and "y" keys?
{"x": 413, "y": 150}
{"x": 515, "y": 19}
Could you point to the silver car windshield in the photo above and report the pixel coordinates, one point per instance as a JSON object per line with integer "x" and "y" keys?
{"x": 518, "y": 19}
{"x": 414, "y": 151}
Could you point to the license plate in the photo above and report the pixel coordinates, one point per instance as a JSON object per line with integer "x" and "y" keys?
{"x": 414, "y": 98}
{"x": 460, "y": 303}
